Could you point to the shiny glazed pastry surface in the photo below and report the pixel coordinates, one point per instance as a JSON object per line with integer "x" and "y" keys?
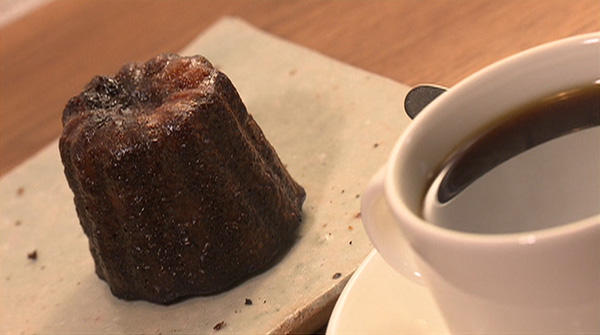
{"x": 175, "y": 185}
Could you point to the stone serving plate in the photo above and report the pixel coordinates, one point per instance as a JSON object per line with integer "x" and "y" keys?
{"x": 333, "y": 126}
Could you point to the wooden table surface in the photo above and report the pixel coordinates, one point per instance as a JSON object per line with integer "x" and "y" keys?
{"x": 50, "y": 54}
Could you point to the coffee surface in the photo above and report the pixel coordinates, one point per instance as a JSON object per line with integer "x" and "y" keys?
{"x": 527, "y": 127}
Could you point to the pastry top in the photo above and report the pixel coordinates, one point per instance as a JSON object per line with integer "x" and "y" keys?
{"x": 141, "y": 98}
{"x": 162, "y": 84}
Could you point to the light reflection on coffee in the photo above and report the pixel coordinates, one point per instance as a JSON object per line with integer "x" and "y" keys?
{"x": 508, "y": 141}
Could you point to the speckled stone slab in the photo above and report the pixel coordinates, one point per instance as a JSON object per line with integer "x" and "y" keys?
{"x": 333, "y": 126}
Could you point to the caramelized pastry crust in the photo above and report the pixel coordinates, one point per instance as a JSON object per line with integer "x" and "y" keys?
{"x": 175, "y": 185}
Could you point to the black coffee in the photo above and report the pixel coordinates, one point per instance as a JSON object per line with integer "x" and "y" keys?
{"x": 525, "y": 128}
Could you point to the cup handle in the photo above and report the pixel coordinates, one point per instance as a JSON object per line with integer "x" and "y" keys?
{"x": 384, "y": 232}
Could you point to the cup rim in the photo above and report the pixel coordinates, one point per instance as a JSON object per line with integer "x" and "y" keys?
{"x": 413, "y": 223}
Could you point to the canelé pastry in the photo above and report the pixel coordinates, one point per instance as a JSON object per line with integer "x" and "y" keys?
{"x": 175, "y": 185}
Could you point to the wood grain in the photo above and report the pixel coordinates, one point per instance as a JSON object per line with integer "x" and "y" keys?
{"x": 49, "y": 55}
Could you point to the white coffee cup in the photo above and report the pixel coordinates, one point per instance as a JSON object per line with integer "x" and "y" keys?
{"x": 544, "y": 279}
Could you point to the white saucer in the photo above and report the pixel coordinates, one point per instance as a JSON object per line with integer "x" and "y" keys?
{"x": 378, "y": 300}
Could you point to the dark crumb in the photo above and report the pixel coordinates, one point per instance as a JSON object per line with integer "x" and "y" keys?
{"x": 219, "y": 325}
{"x": 18, "y": 223}
{"x": 375, "y": 145}
{"x": 336, "y": 275}
{"x": 350, "y": 242}
{"x": 248, "y": 302}
{"x": 357, "y": 196}
{"x": 32, "y": 255}
{"x": 264, "y": 302}
{"x": 357, "y": 215}
{"x": 20, "y": 191}
{"x": 350, "y": 228}
{"x": 343, "y": 191}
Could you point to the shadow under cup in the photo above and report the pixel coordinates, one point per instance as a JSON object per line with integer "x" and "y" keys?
{"x": 495, "y": 265}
